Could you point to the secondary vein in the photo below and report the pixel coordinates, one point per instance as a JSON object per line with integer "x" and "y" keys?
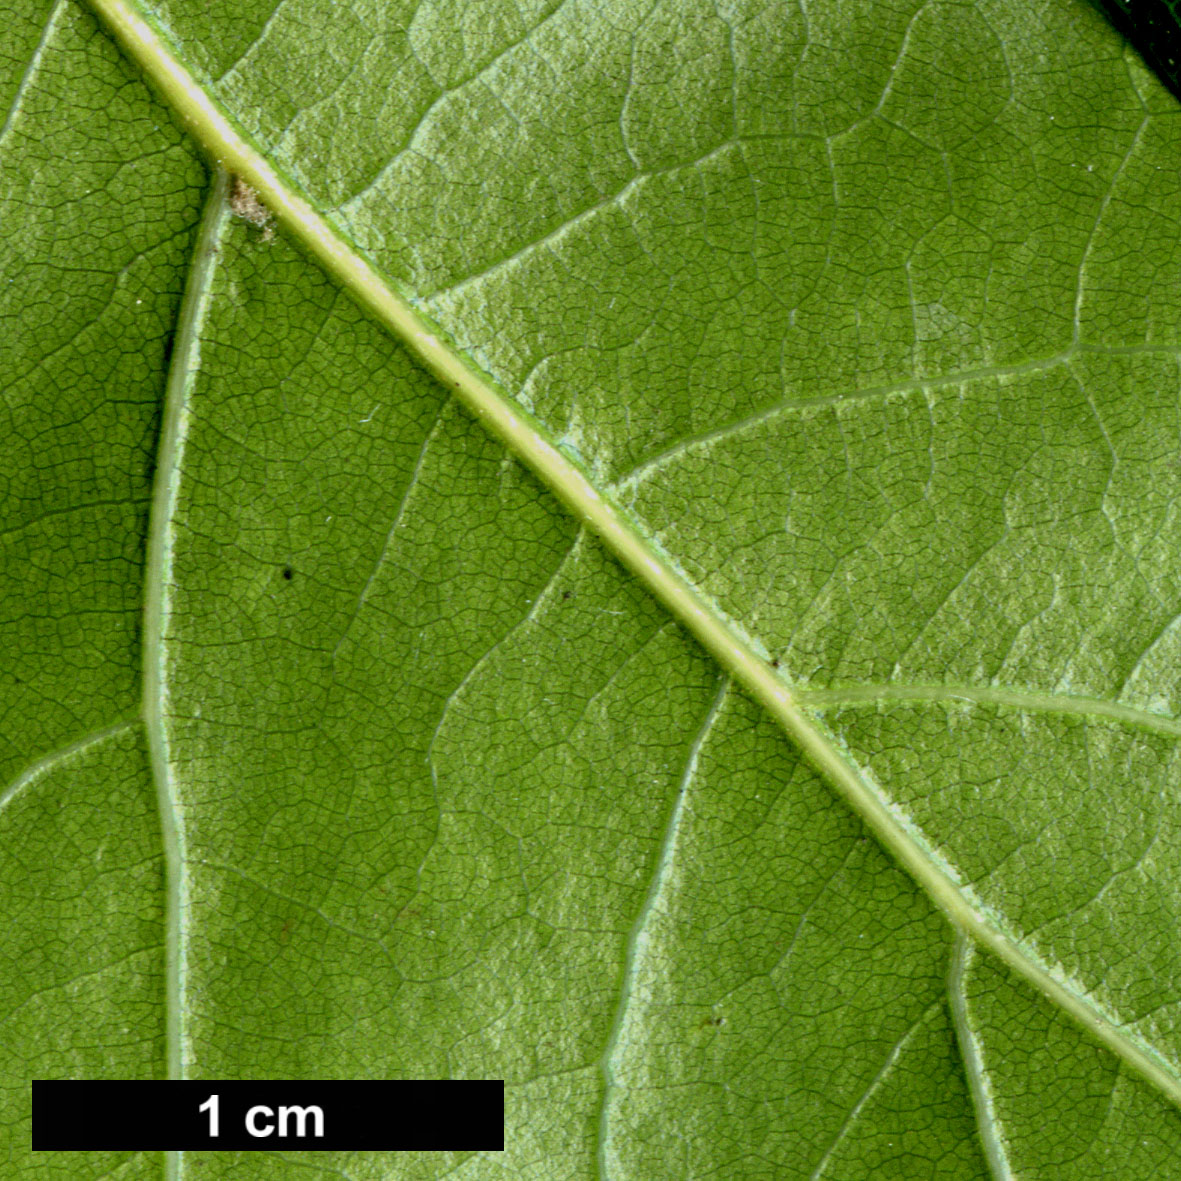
{"x": 1027, "y": 700}
{"x": 157, "y": 584}
{"x": 48, "y": 762}
{"x": 32, "y": 69}
{"x": 875, "y": 1085}
{"x": 987, "y": 1123}
{"x": 637, "y": 937}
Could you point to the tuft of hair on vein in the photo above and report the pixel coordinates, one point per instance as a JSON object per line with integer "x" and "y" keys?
{"x": 245, "y": 203}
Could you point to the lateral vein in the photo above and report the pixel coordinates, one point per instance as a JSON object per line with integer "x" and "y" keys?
{"x": 46, "y": 763}
{"x": 987, "y": 1122}
{"x": 1028, "y": 700}
{"x": 32, "y": 69}
{"x": 157, "y": 605}
{"x": 637, "y": 937}
{"x": 875, "y": 1084}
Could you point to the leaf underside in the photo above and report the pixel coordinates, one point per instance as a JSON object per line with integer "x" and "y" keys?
{"x": 863, "y": 318}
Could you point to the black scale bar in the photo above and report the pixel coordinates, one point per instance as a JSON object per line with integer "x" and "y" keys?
{"x": 401, "y": 1116}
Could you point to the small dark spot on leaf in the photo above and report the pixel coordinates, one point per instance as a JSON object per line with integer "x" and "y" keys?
{"x": 288, "y": 573}
{"x": 566, "y": 595}
{"x": 775, "y": 662}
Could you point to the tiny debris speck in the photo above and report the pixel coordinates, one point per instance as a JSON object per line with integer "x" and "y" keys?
{"x": 245, "y": 203}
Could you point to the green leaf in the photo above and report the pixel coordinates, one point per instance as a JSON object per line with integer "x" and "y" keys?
{"x": 656, "y": 580}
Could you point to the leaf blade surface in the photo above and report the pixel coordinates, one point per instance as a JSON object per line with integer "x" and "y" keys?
{"x": 240, "y": 607}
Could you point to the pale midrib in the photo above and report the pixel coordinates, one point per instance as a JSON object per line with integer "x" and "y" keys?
{"x": 157, "y": 580}
{"x": 1023, "y": 700}
{"x": 724, "y": 639}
